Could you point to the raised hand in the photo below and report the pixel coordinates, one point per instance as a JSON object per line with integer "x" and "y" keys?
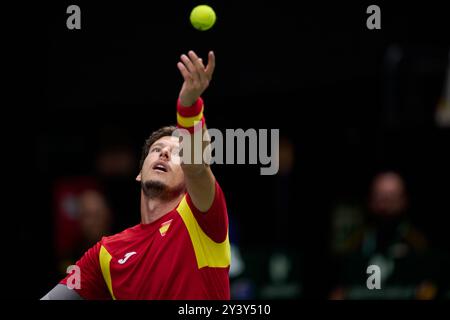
{"x": 196, "y": 76}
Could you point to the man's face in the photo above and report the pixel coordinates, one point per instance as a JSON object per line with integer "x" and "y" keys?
{"x": 162, "y": 164}
{"x": 388, "y": 195}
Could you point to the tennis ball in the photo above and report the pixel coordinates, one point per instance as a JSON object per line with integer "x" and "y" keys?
{"x": 203, "y": 17}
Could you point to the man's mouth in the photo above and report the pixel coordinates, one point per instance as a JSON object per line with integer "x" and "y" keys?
{"x": 161, "y": 167}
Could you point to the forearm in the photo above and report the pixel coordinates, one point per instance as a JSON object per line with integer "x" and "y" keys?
{"x": 196, "y": 155}
{"x": 195, "y": 142}
{"x": 62, "y": 292}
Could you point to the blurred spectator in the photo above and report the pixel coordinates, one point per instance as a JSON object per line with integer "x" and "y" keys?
{"x": 409, "y": 267}
{"x": 95, "y": 217}
{"x": 82, "y": 217}
{"x": 83, "y": 203}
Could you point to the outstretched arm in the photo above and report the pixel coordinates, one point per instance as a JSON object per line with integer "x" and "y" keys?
{"x": 200, "y": 181}
{"x": 62, "y": 292}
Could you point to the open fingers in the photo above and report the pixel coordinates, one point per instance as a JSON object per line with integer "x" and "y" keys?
{"x": 190, "y": 67}
{"x": 184, "y": 72}
{"x": 193, "y": 69}
{"x": 198, "y": 64}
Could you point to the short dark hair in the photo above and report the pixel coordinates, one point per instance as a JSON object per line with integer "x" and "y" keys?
{"x": 156, "y": 135}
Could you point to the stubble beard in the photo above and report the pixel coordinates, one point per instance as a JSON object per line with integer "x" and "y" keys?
{"x": 156, "y": 189}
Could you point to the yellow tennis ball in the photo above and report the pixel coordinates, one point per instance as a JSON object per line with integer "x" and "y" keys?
{"x": 203, "y": 17}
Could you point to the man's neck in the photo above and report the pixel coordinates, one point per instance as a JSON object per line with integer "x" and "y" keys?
{"x": 154, "y": 208}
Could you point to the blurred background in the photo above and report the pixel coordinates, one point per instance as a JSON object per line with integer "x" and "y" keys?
{"x": 364, "y": 136}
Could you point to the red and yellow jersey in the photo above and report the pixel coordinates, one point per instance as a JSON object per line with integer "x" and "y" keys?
{"x": 183, "y": 255}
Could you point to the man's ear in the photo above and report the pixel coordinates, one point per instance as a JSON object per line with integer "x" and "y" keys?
{"x": 138, "y": 178}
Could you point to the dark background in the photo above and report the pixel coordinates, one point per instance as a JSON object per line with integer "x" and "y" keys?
{"x": 313, "y": 71}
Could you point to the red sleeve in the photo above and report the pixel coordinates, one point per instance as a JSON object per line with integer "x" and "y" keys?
{"x": 92, "y": 284}
{"x": 213, "y": 222}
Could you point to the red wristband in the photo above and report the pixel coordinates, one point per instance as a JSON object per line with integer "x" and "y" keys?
{"x": 192, "y": 111}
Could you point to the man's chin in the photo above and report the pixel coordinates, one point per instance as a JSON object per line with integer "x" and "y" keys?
{"x": 153, "y": 187}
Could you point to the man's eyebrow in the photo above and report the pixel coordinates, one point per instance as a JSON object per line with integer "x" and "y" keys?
{"x": 159, "y": 144}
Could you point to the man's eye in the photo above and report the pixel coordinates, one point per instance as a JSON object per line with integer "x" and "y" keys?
{"x": 156, "y": 149}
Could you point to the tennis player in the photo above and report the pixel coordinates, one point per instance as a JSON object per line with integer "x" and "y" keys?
{"x": 180, "y": 250}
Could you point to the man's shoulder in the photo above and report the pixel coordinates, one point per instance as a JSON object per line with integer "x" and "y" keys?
{"x": 121, "y": 236}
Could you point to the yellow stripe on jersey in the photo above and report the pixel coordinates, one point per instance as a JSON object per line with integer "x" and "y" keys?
{"x": 207, "y": 252}
{"x": 105, "y": 259}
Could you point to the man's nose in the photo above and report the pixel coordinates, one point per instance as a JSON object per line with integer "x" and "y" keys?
{"x": 165, "y": 153}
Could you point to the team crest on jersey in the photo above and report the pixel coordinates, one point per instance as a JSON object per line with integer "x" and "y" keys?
{"x": 164, "y": 227}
